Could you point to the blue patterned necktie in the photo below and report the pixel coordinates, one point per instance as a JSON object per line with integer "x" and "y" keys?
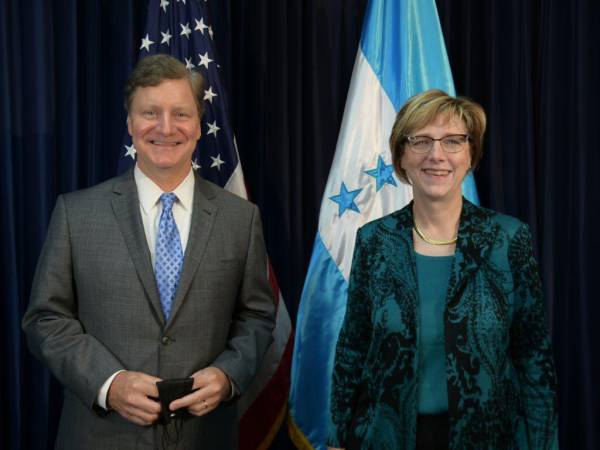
{"x": 168, "y": 254}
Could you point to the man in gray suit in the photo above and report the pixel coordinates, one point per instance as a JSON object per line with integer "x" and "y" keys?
{"x": 153, "y": 275}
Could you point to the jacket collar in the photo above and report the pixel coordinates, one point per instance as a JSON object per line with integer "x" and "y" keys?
{"x": 126, "y": 206}
{"x": 476, "y": 236}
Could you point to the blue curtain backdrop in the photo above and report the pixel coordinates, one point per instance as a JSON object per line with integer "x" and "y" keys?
{"x": 534, "y": 66}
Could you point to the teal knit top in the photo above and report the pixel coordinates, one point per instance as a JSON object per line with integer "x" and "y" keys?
{"x": 433, "y": 273}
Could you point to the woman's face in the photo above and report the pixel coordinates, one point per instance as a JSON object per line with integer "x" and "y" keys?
{"x": 437, "y": 175}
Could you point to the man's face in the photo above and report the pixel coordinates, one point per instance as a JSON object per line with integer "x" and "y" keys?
{"x": 164, "y": 125}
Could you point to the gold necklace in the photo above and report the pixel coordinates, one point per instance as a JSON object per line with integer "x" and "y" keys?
{"x": 432, "y": 241}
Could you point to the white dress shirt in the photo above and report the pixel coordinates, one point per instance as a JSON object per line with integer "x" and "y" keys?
{"x": 150, "y": 209}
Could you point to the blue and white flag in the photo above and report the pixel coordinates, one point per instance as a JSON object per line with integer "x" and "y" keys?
{"x": 183, "y": 30}
{"x": 401, "y": 53}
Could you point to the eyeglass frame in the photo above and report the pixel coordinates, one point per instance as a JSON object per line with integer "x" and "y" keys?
{"x": 466, "y": 137}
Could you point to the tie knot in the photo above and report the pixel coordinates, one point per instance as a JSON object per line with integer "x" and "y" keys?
{"x": 167, "y": 199}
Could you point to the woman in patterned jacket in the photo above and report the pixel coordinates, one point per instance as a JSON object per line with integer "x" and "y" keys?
{"x": 444, "y": 343}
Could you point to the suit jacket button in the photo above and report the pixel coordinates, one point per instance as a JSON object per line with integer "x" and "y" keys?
{"x": 166, "y": 340}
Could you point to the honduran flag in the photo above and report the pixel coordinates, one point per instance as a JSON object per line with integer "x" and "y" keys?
{"x": 401, "y": 53}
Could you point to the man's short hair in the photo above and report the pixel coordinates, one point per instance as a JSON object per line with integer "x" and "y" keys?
{"x": 153, "y": 70}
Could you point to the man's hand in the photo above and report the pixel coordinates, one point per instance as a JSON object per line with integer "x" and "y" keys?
{"x": 213, "y": 387}
{"x": 129, "y": 395}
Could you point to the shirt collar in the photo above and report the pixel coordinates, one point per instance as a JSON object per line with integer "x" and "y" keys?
{"x": 149, "y": 193}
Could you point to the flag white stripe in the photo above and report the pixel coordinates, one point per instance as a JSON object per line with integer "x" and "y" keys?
{"x": 363, "y": 138}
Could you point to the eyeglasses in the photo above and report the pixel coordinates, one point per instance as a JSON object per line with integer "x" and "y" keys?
{"x": 453, "y": 143}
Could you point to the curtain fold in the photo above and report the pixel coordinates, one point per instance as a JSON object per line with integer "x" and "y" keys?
{"x": 569, "y": 194}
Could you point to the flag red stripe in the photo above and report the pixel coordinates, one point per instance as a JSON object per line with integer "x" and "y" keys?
{"x": 257, "y": 422}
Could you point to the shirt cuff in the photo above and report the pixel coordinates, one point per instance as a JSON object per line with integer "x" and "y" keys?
{"x": 234, "y": 389}
{"x": 103, "y": 392}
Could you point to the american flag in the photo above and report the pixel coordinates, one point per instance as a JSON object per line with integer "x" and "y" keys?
{"x": 182, "y": 28}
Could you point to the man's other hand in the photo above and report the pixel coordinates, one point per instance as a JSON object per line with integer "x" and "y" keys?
{"x": 212, "y": 386}
{"x": 129, "y": 395}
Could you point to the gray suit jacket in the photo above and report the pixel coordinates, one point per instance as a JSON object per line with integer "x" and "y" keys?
{"x": 95, "y": 309}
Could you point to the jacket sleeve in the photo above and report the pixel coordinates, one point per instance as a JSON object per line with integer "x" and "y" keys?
{"x": 254, "y": 319}
{"x": 352, "y": 347}
{"x": 530, "y": 347}
{"x": 55, "y": 335}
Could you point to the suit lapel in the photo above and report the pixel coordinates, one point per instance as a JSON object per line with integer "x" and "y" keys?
{"x": 475, "y": 240}
{"x": 126, "y": 207}
{"x": 203, "y": 216}
{"x": 404, "y": 227}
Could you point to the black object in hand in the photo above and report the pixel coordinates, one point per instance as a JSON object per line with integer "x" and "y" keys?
{"x": 169, "y": 390}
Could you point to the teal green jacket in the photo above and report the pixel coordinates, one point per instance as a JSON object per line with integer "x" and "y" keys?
{"x": 499, "y": 368}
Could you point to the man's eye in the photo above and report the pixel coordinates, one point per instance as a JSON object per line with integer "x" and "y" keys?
{"x": 148, "y": 113}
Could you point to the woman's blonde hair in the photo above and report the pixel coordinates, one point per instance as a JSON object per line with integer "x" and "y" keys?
{"x": 422, "y": 109}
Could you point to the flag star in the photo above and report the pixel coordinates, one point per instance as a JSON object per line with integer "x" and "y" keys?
{"x": 185, "y": 30}
{"x": 130, "y": 151}
{"x": 146, "y": 43}
{"x": 189, "y": 64}
{"x": 209, "y": 94}
{"x": 345, "y": 199}
{"x": 183, "y": 1}
{"x": 217, "y": 162}
{"x": 195, "y": 165}
{"x": 383, "y": 173}
{"x": 200, "y": 26}
{"x": 210, "y": 32}
{"x": 164, "y": 4}
{"x": 166, "y": 37}
{"x": 213, "y": 128}
{"x": 204, "y": 60}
